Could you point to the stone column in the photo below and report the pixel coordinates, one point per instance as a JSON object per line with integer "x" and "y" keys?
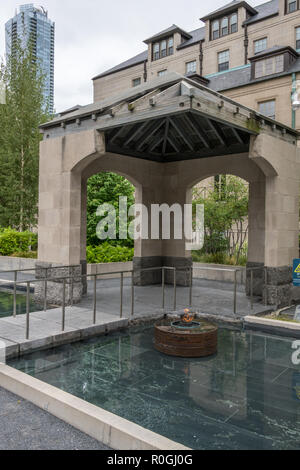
{"x": 148, "y": 252}
{"x": 164, "y": 190}
{"x": 256, "y": 237}
{"x": 279, "y": 160}
{"x": 62, "y": 209}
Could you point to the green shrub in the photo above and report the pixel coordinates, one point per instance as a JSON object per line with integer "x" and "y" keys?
{"x": 219, "y": 258}
{"x": 107, "y": 253}
{"x": 12, "y": 241}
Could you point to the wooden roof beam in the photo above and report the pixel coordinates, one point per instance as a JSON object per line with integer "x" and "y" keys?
{"x": 182, "y": 134}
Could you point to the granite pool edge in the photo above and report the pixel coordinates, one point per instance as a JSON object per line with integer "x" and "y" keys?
{"x": 108, "y": 428}
{"x": 272, "y": 326}
{"x": 18, "y": 349}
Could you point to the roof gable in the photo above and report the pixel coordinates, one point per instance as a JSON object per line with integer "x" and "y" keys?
{"x": 171, "y": 30}
{"x": 228, "y": 8}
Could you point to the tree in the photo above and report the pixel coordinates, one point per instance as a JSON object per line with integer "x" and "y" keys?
{"x": 226, "y": 211}
{"x": 25, "y": 109}
{"x": 106, "y": 188}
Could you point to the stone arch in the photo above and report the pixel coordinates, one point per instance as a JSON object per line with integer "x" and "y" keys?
{"x": 243, "y": 167}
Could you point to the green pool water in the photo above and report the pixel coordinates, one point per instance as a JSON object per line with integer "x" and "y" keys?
{"x": 6, "y": 304}
{"x": 245, "y": 397}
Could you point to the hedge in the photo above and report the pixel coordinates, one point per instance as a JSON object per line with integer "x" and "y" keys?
{"x": 107, "y": 253}
{"x": 12, "y": 242}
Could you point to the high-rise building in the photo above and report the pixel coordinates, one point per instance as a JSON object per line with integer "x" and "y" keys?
{"x": 32, "y": 23}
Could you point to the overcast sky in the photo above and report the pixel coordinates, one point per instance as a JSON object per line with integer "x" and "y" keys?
{"x": 94, "y": 35}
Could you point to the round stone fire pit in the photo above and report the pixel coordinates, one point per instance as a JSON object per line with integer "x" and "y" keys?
{"x": 181, "y": 339}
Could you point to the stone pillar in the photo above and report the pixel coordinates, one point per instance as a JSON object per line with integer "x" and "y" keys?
{"x": 62, "y": 210}
{"x": 256, "y": 237}
{"x": 53, "y": 288}
{"x": 159, "y": 252}
{"x": 279, "y": 160}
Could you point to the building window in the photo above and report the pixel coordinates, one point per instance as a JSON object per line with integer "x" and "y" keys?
{"x": 136, "y": 81}
{"x": 215, "y": 30}
{"x": 260, "y": 45}
{"x": 269, "y": 66}
{"x": 298, "y": 38}
{"x": 224, "y": 26}
{"x": 161, "y": 73}
{"x": 223, "y": 61}
{"x": 234, "y": 23}
{"x": 156, "y": 51}
{"x": 163, "y": 48}
{"x": 170, "y": 46}
{"x": 191, "y": 67}
{"x": 291, "y": 6}
{"x": 267, "y": 108}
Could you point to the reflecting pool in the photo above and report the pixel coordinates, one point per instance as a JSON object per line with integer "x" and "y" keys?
{"x": 245, "y": 397}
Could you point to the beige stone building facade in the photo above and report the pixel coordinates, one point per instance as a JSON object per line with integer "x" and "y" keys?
{"x": 248, "y": 54}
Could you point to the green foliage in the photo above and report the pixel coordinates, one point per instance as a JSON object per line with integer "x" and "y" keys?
{"x": 225, "y": 207}
{"x": 13, "y": 242}
{"x": 107, "y": 253}
{"x": 219, "y": 258}
{"x": 20, "y": 117}
{"x": 106, "y": 188}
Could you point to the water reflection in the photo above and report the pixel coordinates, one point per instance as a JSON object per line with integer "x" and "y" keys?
{"x": 245, "y": 397}
{"x": 6, "y": 303}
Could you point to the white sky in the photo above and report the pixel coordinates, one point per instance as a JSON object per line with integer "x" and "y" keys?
{"x": 94, "y": 35}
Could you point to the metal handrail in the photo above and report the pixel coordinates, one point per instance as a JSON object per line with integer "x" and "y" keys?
{"x": 251, "y": 270}
{"x": 98, "y": 276}
{"x": 231, "y": 270}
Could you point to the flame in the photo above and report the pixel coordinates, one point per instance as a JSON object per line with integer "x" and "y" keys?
{"x": 187, "y": 317}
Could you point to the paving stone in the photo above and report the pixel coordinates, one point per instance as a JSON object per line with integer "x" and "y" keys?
{"x": 26, "y": 427}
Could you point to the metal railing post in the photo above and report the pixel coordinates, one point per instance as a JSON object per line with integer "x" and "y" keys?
{"x": 95, "y": 300}
{"x": 175, "y": 291}
{"x": 15, "y": 293}
{"x": 235, "y": 293}
{"x": 132, "y": 294}
{"x": 163, "y": 287}
{"x": 27, "y": 308}
{"x": 251, "y": 289}
{"x": 63, "y": 306}
{"x": 45, "y": 289}
{"x": 121, "y": 294}
{"x": 191, "y": 287}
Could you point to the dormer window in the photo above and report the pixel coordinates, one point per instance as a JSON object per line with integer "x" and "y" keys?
{"x": 291, "y": 6}
{"x": 215, "y": 30}
{"x": 234, "y": 23}
{"x": 170, "y": 46}
{"x": 163, "y": 48}
{"x": 156, "y": 54}
{"x": 277, "y": 59}
{"x": 224, "y": 26}
{"x": 269, "y": 66}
